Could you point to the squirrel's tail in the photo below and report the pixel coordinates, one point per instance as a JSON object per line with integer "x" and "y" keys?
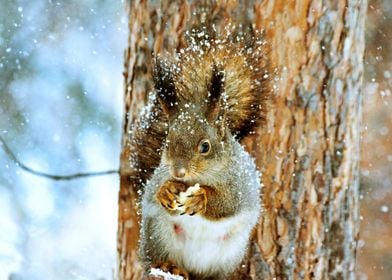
{"x": 144, "y": 147}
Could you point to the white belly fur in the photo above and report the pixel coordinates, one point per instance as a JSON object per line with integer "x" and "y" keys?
{"x": 205, "y": 246}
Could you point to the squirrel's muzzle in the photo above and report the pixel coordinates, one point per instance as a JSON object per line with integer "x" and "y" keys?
{"x": 178, "y": 172}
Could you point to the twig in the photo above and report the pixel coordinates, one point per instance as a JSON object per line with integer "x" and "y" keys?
{"x": 9, "y": 152}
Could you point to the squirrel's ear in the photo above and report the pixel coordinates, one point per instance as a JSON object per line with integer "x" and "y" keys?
{"x": 164, "y": 84}
{"x": 215, "y": 90}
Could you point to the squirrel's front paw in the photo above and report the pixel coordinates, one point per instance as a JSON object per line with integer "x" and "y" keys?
{"x": 193, "y": 202}
{"x": 169, "y": 194}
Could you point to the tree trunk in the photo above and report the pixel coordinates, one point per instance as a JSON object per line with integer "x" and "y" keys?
{"x": 308, "y": 151}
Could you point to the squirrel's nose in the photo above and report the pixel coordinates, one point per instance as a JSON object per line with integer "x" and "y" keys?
{"x": 179, "y": 172}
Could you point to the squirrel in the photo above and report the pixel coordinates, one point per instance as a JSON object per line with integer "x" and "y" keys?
{"x": 202, "y": 201}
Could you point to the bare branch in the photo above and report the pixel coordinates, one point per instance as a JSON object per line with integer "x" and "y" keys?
{"x": 13, "y": 157}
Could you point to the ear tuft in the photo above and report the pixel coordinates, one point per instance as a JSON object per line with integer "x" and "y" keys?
{"x": 215, "y": 91}
{"x": 164, "y": 84}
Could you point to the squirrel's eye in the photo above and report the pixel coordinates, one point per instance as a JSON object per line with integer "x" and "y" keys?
{"x": 204, "y": 147}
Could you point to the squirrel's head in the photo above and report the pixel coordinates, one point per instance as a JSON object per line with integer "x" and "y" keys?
{"x": 196, "y": 143}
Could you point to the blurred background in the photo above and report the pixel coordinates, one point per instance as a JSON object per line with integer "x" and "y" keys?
{"x": 375, "y": 245}
{"x": 61, "y": 82}
{"x": 61, "y": 95}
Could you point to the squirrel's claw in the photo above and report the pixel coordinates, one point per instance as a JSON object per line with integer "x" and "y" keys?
{"x": 196, "y": 202}
{"x": 168, "y": 194}
{"x": 171, "y": 197}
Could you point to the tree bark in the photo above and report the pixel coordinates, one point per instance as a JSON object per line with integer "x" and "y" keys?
{"x": 308, "y": 151}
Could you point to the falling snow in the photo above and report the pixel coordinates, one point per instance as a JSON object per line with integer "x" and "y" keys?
{"x": 60, "y": 109}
